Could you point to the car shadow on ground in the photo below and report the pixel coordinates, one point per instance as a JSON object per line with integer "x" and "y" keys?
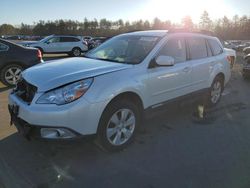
{"x": 164, "y": 139}
{"x": 42, "y": 164}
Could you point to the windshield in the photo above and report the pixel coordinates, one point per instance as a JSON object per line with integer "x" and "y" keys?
{"x": 124, "y": 49}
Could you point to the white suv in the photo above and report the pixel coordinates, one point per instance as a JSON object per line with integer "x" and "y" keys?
{"x": 73, "y": 45}
{"x": 107, "y": 92}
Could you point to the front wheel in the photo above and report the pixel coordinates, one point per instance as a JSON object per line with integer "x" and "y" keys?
{"x": 118, "y": 125}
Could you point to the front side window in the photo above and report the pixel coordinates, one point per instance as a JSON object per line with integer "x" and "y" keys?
{"x": 54, "y": 40}
{"x": 175, "y": 48}
{"x": 197, "y": 47}
{"x": 216, "y": 48}
{"x": 3, "y": 47}
{"x": 129, "y": 49}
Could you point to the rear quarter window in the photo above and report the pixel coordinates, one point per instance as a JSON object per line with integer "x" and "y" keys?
{"x": 215, "y": 47}
{"x": 69, "y": 39}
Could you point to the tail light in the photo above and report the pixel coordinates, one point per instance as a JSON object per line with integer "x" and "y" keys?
{"x": 230, "y": 61}
{"x": 39, "y": 55}
{"x": 85, "y": 42}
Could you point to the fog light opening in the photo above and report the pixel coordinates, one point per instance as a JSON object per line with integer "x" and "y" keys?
{"x": 56, "y": 133}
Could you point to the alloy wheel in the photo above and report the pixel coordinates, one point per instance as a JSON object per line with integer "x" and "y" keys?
{"x": 121, "y": 127}
{"x": 76, "y": 52}
{"x": 12, "y": 75}
{"x": 216, "y": 92}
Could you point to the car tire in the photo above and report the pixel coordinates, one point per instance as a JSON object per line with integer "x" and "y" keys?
{"x": 76, "y": 52}
{"x": 10, "y": 74}
{"x": 215, "y": 91}
{"x": 118, "y": 125}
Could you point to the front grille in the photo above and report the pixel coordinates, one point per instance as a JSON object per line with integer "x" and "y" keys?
{"x": 25, "y": 91}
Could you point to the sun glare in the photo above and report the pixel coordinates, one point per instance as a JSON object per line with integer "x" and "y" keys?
{"x": 175, "y": 10}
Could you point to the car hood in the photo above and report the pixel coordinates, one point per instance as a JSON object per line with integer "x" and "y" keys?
{"x": 52, "y": 74}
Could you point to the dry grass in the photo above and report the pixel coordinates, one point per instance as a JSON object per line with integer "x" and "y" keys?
{"x": 1, "y": 85}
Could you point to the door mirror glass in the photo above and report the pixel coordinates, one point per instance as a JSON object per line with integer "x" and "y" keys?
{"x": 164, "y": 60}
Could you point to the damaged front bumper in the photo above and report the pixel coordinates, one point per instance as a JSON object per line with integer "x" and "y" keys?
{"x": 33, "y": 131}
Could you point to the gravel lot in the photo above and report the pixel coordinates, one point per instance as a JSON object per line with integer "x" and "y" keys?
{"x": 171, "y": 151}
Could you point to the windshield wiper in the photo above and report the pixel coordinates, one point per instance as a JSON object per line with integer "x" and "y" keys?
{"x": 111, "y": 60}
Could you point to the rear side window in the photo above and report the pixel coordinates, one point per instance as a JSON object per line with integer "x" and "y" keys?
{"x": 3, "y": 47}
{"x": 69, "y": 39}
{"x": 197, "y": 47}
{"x": 215, "y": 46}
{"x": 175, "y": 48}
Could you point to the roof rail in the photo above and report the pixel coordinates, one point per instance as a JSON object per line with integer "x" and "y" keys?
{"x": 134, "y": 30}
{"x": 66, "y": 35}
{"x": 186, "y": 30}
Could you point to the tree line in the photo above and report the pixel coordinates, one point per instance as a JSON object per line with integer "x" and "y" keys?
{"x": 237, "y": 27}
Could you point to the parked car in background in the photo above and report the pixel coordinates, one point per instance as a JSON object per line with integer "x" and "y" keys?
{"x": 246, "y": 50}
{"x": 236, "y": 42}
{"x": 96, "y": 41}
{"x": 87, "y": 38}
{"x": 229, "y": 45}
{"x": 240, "y": 47}
{"x": 233, "y": 44}
{"x": 13, "y": 37}
{"x": 246, "y": 67}
{"x": 26, "y": 39}
{"x": 14, "y": 59}
{"x": 108, "y": 92}
{"x": 72, "y": 45}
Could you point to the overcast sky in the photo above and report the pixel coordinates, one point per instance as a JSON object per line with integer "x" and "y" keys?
{"x": 29, "y": 11}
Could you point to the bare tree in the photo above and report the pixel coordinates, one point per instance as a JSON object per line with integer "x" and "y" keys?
{"x": 187, "y": 22}
{"x": 205, "y": 21}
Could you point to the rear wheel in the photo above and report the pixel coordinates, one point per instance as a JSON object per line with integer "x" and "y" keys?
{"x": 11, "y": 74}
{"x": 118, "y": 125}
{"x": 215, "y": 91}
{"x": 76, "y": 52}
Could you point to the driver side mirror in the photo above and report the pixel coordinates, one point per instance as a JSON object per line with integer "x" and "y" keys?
{"x": 164, "y": 60}
{"x": 47, "y": 42}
